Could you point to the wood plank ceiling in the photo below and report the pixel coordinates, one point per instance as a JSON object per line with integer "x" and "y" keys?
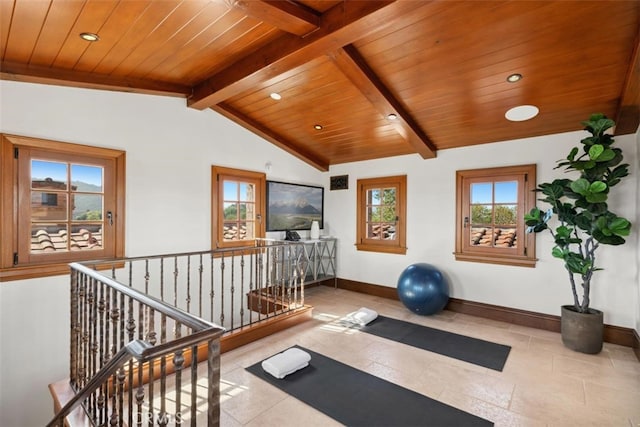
{"x": 440, "y": 67}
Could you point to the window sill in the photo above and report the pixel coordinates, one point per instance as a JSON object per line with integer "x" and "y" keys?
{"x": 518, "y": 261}
{"x": 382, "y": 248}
{"x": 45, "y": 270}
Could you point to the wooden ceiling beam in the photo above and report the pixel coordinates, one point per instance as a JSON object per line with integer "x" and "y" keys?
{"x": 282, "y": 14}
{"x": 264, "y": 132}
{"x": 340, "y": 25}
{"x": 628, "y": 116}
{"x": 45, "y": 75}
{"x": 354, "y": 66}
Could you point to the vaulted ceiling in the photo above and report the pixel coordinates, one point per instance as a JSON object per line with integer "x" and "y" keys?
{"x": 344, "y": 69}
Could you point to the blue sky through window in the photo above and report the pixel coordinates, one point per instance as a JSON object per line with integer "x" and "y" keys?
{"x": 41, "y": 170}
{"x": 506, "y": 192}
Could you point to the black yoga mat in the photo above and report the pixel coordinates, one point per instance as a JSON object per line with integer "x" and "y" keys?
{"x": 355, "y": 398}
{"x": 472, "y": 350}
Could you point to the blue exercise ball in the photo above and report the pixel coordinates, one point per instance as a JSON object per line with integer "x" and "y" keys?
{"x": 423, "y": 289}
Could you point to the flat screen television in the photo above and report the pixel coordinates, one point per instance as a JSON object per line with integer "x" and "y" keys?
{"x": 293, "y": 206}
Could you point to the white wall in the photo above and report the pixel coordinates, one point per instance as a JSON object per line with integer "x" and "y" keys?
{"x": 431, "y": 231}
{"x": 170, "y": 149}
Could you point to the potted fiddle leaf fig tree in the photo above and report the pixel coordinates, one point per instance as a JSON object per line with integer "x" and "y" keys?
{"x": 584, "y": 224}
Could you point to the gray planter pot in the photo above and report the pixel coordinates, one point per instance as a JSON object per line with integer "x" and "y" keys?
{"x": 582, "y": 332}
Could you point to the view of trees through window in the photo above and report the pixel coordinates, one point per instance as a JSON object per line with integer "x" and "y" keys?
{"x": 381, "y": 213}
{"x": 494, "y": 212}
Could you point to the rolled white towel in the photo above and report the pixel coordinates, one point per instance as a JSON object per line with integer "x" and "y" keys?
{"x": 287, "y": 362}
{"x": 362, "y": 316}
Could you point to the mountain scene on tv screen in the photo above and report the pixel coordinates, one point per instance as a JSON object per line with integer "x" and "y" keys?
{"x": 292, "y": 215}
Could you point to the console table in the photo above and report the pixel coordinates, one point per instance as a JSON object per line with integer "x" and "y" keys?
{"x": 316, "y": 260}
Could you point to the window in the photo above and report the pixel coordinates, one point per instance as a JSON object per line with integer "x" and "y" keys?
{"x": 237, "y": 206}
{"x": 490, "y": 207}
{"x": 381, "y": 210}
{"x": 60, "y": 203}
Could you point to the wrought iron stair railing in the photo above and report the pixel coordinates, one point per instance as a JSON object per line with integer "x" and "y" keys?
{"x": 140, "y": 325}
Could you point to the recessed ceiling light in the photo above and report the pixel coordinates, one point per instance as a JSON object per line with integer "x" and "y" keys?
{"x": 522, "y": 113}
{"x": 317, "y": 127}
{"x": 514, "y": 78}
{"x": 392, "y": 116}
{"x": 276, "y": 96}
{"x": 90, "y": 37}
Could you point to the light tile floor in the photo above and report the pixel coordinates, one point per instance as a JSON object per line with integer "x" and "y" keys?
{"x": 542, "y": 384}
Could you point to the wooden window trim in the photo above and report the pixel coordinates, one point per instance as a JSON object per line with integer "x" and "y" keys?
{"x": 398, "y": 246}
{"x": 217, "y": 194}
{"x": 10, "y": 211}
{"x": 524, "y": 256}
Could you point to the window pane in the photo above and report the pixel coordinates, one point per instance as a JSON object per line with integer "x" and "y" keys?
{"x": 86, "y": 236}
{"x": 506, "y": 192}
{"x": 249, "y": 230}
{"x": 234, "y": 231}
{"x": 230, "y": 211}
{"x": 247, "y": 192}
{"x": 389, "y": 196}
{"x": 243, "y": 211}
{"x": 505, "y": 238}
{"x": 48, "y": 175}
{"x": 86, "y": 178}
{"x": 374, "y": 231}
{"x": 87, "y": 207}
{"x": 48, "y": 206}
{"x": 230, "y": 190}
{"x": 481, "y": 215}
{"x": 506, "y": 215}
{"x": 373, "y": 197}
{"x": 388, "y": 231}
{"x": 389, "y": 213}
{"x": 481, "y": 192}
{"x": 373, "y": 214}
{"x": 48, "y": 238}
{"x": 251, "y": 211}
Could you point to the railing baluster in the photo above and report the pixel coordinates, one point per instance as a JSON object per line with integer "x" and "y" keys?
{"x": 162, "y": 279}
{"x": 146, "y": 276}
{"x": 222, "y": 290}
{"x": 212, "y": 293}
{"x": 82, "y": 362}
{"x": 120, "y": 322}
{"x": 175, "y": 281}
{"x": 194, "y": 385}
{"x": 188, "y": 299}
{"x": 140, "y": 391}
{"x": 233, "y": 288}
{"x": 162, "y": 416}
{"x": 130, "y": 274}
{"x": 131, "y": 329}
{"x": 152, "y": 379}
{"x": 93, "y": 343}
{"x": 178, "y": 363}
{"x": 241, "y": 289}
{"x": 74, "y": 328}
{"x": 213, "y": 381}
{"x": 252, "y": 271}
{"x": 200, "y": 286}
{"x": 100, "y": 403}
